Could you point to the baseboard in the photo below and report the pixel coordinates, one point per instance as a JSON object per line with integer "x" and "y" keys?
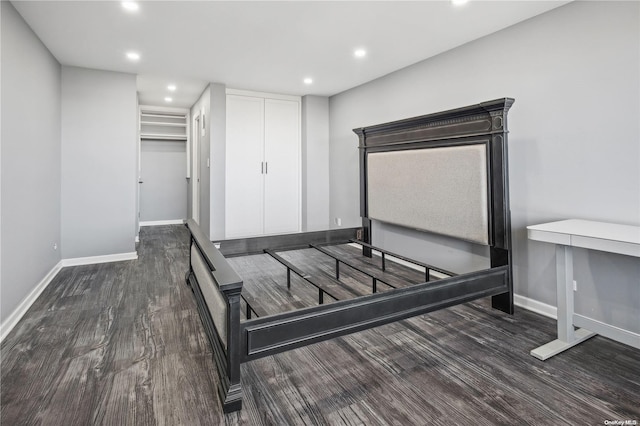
{"x": 535, "y": 306}
{"x": 162, "y": 222}
{"x": 77, "y": 261}
{"x": 26, "y": 303}
{"x": 609, "y": 331}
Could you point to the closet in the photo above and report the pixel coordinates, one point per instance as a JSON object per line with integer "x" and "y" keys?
{"x": 262, "y": 194}
{"x": 163, "y": 167}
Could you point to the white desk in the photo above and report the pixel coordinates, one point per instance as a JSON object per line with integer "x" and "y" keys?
{"x": 566, "y": 234}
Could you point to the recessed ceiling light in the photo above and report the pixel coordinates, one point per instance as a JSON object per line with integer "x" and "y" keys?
{"x": 131, "y": 6}
{"x": 360, "y": 53}
{"x": 308, "y": 80}
{"x": 171, "y": 87}
{"x": 459, "y": 2}
{"x": 134, "y": 56}
{"x": 168, "y": 99}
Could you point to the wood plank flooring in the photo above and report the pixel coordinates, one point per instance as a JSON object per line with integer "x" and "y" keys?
{"x": 266, "y": 280}
{"x": 122, "y": 344}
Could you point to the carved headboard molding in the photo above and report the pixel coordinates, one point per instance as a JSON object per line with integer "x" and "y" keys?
{"x": 480, "y": 119}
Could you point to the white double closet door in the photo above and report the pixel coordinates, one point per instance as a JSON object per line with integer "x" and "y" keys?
{"x": 262, "y": 166}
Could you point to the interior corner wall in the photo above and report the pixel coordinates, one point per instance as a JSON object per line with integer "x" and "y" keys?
{"x": 315, "y": 163}
{"x": 99, "y": 169}
{"x": 203, "y": 107}
{"x": 218, "y": 144}
{"x": 30, "y": 160}
{"x": 574, "y": 142}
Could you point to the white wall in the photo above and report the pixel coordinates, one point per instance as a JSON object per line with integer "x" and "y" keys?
{"x": 30, "y": 156}
{"x": 99, "y": 170}
{"x": 315, "y": 163}
{"x": 574, "y": 142}
{"x": 218, "y": 143}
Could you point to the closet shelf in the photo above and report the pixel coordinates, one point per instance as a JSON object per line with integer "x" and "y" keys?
{"x": 162, "y": 123}
{"x": 164, "y": 136}
{"x": 150, "y": 115}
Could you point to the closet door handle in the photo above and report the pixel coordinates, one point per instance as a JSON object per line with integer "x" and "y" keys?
{"x": 266, "y": 167}
{"x": 262, "y": 167}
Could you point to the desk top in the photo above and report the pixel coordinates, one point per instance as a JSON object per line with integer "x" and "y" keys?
{"x": 609, "y": 237}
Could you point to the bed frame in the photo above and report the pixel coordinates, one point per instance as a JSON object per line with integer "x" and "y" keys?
{"x": 218, "y": 289}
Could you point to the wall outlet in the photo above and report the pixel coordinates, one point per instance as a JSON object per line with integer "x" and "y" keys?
{"x": 338, "y": 221}
{"x": 575, "y": 285}
{"x": 55, "y": 246}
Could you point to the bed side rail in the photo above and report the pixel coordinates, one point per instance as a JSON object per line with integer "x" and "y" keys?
{"x": 217, "y": 288}
{"x": 278, "y": 333}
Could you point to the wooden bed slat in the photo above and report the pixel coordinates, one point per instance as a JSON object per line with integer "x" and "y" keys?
{"x": 335, "y": 289}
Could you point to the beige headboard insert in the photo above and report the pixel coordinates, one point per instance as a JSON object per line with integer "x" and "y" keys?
{"x": 441, "y": 190}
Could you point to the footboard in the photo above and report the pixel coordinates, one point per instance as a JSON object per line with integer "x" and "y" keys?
{"x": 217, "y": 289}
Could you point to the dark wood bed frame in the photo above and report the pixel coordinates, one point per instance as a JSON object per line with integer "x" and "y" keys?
{"x": 248, "y": 340}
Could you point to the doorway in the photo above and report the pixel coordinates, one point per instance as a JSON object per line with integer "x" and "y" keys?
{"x": 163, "y": 157}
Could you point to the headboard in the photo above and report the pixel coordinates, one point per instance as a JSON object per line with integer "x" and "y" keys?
{"x": 444, "y": 173}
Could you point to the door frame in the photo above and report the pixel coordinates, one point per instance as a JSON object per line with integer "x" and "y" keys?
{"x": 195, "y": 168}
{"x": 159, "y": 110}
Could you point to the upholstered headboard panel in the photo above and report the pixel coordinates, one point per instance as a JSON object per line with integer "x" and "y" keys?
{"x": 442, "y": 190}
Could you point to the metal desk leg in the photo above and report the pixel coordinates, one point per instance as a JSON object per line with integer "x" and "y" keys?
{"x": 567, "y": 336}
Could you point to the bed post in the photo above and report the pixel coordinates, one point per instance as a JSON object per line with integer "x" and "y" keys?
{"x": 233, "y": 392}
{"x": 364, "y": 213}
{"x": 500, "y": 252}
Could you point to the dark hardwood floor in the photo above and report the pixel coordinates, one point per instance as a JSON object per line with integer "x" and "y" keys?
{"x": 122, "y": 344}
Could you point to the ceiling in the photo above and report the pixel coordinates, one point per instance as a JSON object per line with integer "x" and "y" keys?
{"x": 264, "y": 46}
